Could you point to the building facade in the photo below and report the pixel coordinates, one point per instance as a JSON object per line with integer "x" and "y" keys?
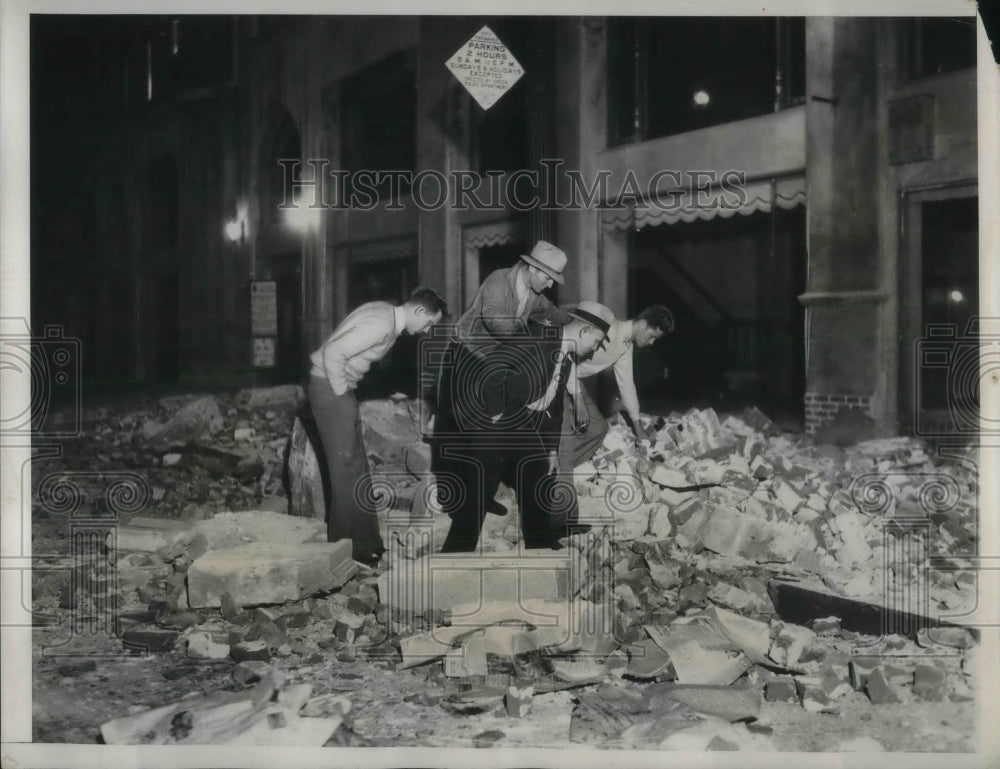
{"x": 800, "y": 191}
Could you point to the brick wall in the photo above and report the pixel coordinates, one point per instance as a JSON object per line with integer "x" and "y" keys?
{"x": 821, "y": 408}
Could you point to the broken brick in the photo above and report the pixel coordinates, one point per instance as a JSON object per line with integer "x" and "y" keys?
{"x": 228, "y": 607}
{"x": 696, "y": 593}
{"x": 250, "y": 671}
{"x": 788, "y": 645}
{"x": 150, "y": 640}
{"x": 813, "y": 697}
{"x": 348, "y": 625}
{"x": 781, "y": 690}
{"x": 250, "y": 650}
{"x": 879, "y": 690}
{"x": 897, "y": 675}
{"x": 295, "y": 618}
{"x": 518, "y": 701}
{"x": 201, "y": 646}
{"x": 825, "y": 625}
{"x": 929, "y": 682}
{"x": 362, "y": 604}
{"x": 859, "y": 670}
{"x": 262, "y": 573}
{"x": 730, "y": 596}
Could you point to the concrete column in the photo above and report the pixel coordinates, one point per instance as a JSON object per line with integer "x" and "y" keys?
{"x": 613, "y": 260}
{"x": 843, "y": 164}
{"x": 439, "y": 137}
{"x": 581, "y": 134}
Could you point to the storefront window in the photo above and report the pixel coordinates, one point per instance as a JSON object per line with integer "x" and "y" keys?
{"x": 671, "y": 75}
{"x": 939, "y": 45}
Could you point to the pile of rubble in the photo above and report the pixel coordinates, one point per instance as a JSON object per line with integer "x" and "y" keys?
{"x": 726, "y": 567}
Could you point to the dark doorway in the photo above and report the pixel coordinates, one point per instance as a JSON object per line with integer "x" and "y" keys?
{"x": 167, "y": 323}
{"x": 289, "y": 355}
{"x": 949, "y": 301}
{"x": 732, "y": 286}
{"x": 493, "y": 258}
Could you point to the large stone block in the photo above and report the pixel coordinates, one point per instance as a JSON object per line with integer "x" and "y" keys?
{"x": 143, "y": 534}
{"x": 230, "y": 529}
{"x": 390, "y": 426}
{"x": 282, "y": 396}
{"x": 196, "y": 419}
{"x": 305, "y": 478}
{"x": 266, "y": 573}
{"x": 445, "y": 582}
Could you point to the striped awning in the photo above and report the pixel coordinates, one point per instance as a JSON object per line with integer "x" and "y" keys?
{"x": 689, "y": 205}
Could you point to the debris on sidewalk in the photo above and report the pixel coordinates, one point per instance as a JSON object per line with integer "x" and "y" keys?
{"x": 268, "y": 714}
{"x": 729, "y": 569}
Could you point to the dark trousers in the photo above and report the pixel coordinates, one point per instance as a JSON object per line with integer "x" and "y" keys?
{"x": 546, "y": 502}
{"x": 471, "y": 456}
{"x": 351, "y": 507}
{"x": 576, "y": 449}
{"x": 465, "y": 459}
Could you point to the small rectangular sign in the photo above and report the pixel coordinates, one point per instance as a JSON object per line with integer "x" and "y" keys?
{"x": 263, "y": 352}
{"x": 264, "y": 308}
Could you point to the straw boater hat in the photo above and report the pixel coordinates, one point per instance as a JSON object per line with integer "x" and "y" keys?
{"x": 548, "y": 259}
{"x": 597, "y": 315}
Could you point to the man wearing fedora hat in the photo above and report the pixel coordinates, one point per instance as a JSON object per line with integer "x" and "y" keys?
{"x": 510, "y": 296}
{"x": 523, "y": 400}
{"x": 501, "y": 309}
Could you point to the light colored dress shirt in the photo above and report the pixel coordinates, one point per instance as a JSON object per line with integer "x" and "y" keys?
{"x": 616, "y": 352}
{"x": 363, "y": 337}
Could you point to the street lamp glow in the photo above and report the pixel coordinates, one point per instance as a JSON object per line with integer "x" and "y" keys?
{"x": 236, "y": 229}
{"x": 300, "y": 216}
{"x": 701, "y": 98}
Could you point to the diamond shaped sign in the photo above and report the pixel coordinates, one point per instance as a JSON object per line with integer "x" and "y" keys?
{"x": 485, "y": 67}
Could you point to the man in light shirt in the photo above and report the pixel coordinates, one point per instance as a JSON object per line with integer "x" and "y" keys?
{"x": 579, "y": 444}
{"x": 361, "y": 339}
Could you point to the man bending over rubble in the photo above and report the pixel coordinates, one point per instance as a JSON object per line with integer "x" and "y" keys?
{"x": 525, "y": 402}
{"x": 579, "y": 444}
{"x": 361, "y": 339}
{"x": 501, "y": 308}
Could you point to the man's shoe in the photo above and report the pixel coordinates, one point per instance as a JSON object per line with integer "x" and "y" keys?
{"x": 496, "y": 508}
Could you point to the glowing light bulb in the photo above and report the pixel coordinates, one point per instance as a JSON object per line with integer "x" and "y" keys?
{"x": 701, "y": 98}
{"x": 956, "y": 296}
